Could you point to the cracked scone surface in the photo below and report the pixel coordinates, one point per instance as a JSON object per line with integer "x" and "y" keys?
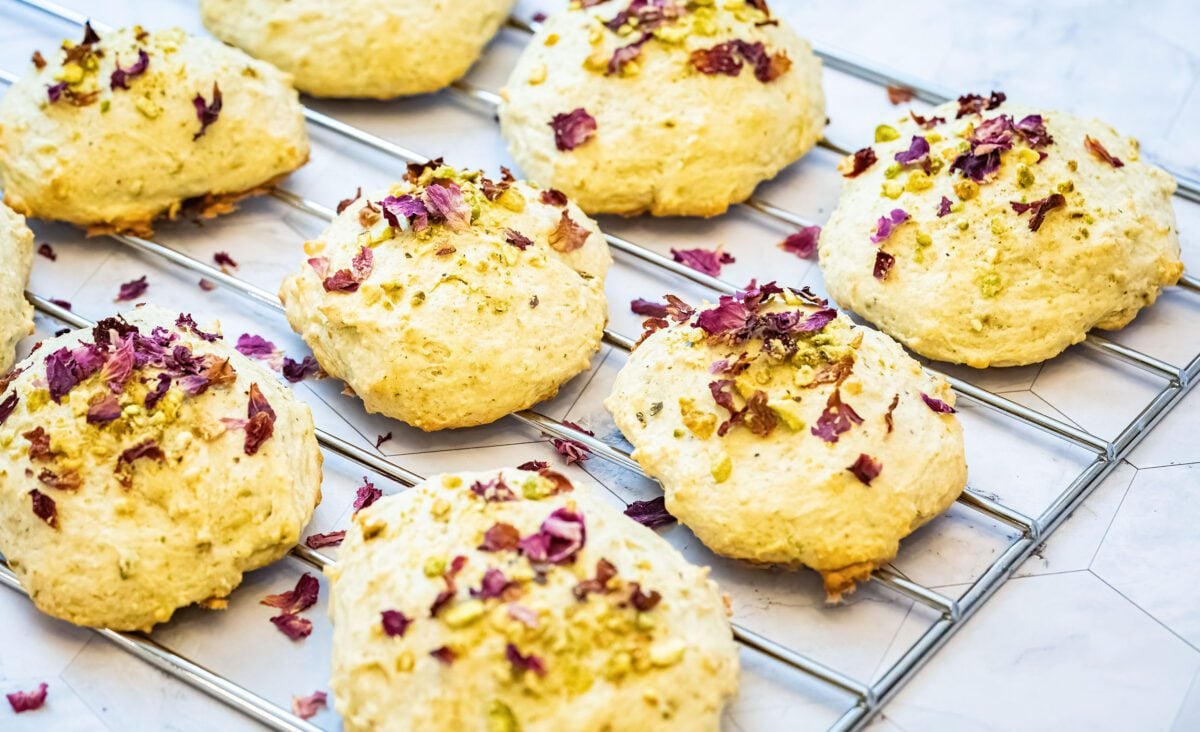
{"x": 16, "y": 314}
{"x": 118, "y": 158}
{"x": 117, "y": 508}
{"x": 496, "y": 620}
{"x": 814, "y": 396}
{"x": 977, "y": 285}
{"x": 353, "y": 48}
{"x": 455, "y": 321}
{"x": 669, "y": 139}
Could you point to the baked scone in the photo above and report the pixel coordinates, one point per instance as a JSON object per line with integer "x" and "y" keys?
{"x": 355, "y": 48}
{"x": 114, "y": 132}
{"x": 993, "y": 234}
{"x": 784, "y": 434}
{"x": 675, "y": 109}
{"x": 144, "y": 466}
{"x": 16, "y": 254}
{"x": 453, "y": 300}
{"x": 507, "y": 601}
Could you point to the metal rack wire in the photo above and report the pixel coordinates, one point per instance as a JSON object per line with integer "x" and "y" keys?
{"x": 869, "y": 697}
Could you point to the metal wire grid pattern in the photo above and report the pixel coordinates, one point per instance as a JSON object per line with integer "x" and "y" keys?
{"x": 870, "y": 697}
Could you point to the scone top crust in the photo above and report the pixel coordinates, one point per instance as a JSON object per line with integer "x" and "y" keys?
{"x": 993, "y": 234}
{"x": 16, "y": 314}
{"x": 783, "y": 433}
{"x": 115, "y": 131}
{"x": 452, "y": 300}
{"x": 506, "y": 600}
{"x": 676, "y": 108}
{"x": 357, "y": 48}
{"x": 144, "y": 466}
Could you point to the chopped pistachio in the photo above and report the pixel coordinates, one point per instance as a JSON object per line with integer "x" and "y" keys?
{"x": 1066, "y": 187}
{"x": 788, "y": 410}
{"x": 1025, "y": 177}
{"x": 966, "y": 189}
{"x": 501, "y": 719}
{"x": 149, "y": 109}
{"x": 464, "y": 613}
{"x": 667, "y": 652}
{"x": 990, "y": 284}
{"x": 886, "y": 133}
{"x": 924, "y": 239}
{"x": 918, "y": 181}
{"x": 701, "y": 423}
{"x": 434, "y": 567}
{"x": 892, "y": 189}
{"x": 893, "y": 170}
{"x": 722, "y": 469}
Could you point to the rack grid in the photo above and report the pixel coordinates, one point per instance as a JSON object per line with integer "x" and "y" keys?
{"x": 870, "y": 697}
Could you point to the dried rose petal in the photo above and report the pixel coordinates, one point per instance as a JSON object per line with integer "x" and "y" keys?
{"x": 859, "y": 163}
{"x": 444, "y": 654}
{"x": 703, "y": 260}
{"x": 524, "y": 615}
{"x": 68, "y": 481}
{"x": 493, "y": 585}
{"x": 261, "y": 425}
{"x": 976, "y": 104}
{"x": 147, "y": 450}
{"x": 553, "y": 197}
{"x": 937, "y": 405}
{"x": 54, "y": 92}
{"x": 573, "y": 129}
{"x": 944, "y": 207}
{"x": 626, "y": 54}
{"x": 133, "y": 289}
{"x": 493, "y": 491}
{"x": 866, "y": 468}
{"x": 524, "y": 663}
{"x": 886, "y": 224}
{"x": 44, "y": 508}
{"x": 7, "y": 406}
{"x": 605, "y": 571}
{"x": 120, "y": 77}
{"x": 366, "y": 495}
{"x": 927, "y": 122}
{"x": 642, "y": 601}
{"x": 405, "y": 208}
{"x": 207, "y": 112}
{"x": 803, "y": 243}
{"x": 883, "y": 265}
{"x": 649, "y": 308}
{"x": 39, "y": 443}
{"x": 395, "y": 623}
{"x": 257, "y": 347}
{"x": 517, "y": 239}
{"x": 297, "y": 371}
{"x": 446, "y": 204}
{"x": 47, "y": 251}
{"x": 836, "y": 419}
{"x": 888, "y": 416}
{"x": 917, "y": 152}
{"x": 186, "y": 323}
{"x": 561, "y": 537}
{"x": 501, "y": 537}
{"x": 293, "y": 626}
{"x": 568, "y": 235}
{"x": 1039, "y": 209}
{"x": 1094, "y": 147}
{"x": 306, "y": 707}
{"x": 1033, "y": 129}
{"x": 333, "y": 538}
{"x": 302, "y": 597}
{"x": 104, "y": 411}
{"x": 899, "y": 94}
{"x": 27, "y": 701}
{"x": 652, "y": 513}
{"x": 534, "y": 465}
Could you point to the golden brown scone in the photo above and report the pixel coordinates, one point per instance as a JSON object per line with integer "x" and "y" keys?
{"x": 505, "y": 600}
{"x": 145, "y": 466}
{"x": 784, "y": 434}
{"x": 115, "y": 132}
{"x": 453, "y": 300}
{"x": 676, "y": 112}
{"x": 1001, "y": 234}
{"x": 16, "y": 259}
{"x": 356, "y": 48}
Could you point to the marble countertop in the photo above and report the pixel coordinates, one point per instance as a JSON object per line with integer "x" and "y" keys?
{"x": 1098, "y": 630}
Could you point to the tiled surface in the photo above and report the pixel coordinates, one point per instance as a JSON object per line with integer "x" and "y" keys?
{"x": 1097, "y": 631}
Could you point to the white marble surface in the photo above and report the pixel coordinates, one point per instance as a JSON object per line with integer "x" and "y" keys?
{"x": 1097, "y": 631}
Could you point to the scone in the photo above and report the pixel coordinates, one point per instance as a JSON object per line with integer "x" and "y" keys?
{"x": 354, "y": 48}
{"x": 674, "y": 109}
{"x": 992, "y": 234}
{"x": 144, "y": 466}
{"x": 784, "y": 434}
{"x": 115, "y": 132}
{"x": 453, "y": 300}
{"x": 16, "y": 254}
{"x": 507, "y": 601}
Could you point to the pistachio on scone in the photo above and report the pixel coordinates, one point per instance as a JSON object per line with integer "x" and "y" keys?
{"x": 145, "y": 466}
{"x": 112, "y": 133}
{"x": 993, "y": 234}
{"x": 452, "y": 300}
{"x": 784, "y": 434}
{"x": 16, "y": 253}
{"x": 673, "y": 108}
{"x": 507, "y": 600}
{"x": 356, "y": 48}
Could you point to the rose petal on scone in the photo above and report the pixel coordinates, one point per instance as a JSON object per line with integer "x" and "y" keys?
{"x": 145, "y": 466}
{"x": 16, "y": 314}
{"x": 784, "y": 434}
{"x": 510, "y": 600}
{"x": 994, "y": 234}
{"x": 629, "y": 108}
{"x": 452, "y": 300}
{"x": 355, "y": 48}
{"x": 130, "y": 127}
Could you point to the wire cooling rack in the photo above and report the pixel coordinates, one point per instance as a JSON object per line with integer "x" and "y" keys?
{"x": 949, "y": 613}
